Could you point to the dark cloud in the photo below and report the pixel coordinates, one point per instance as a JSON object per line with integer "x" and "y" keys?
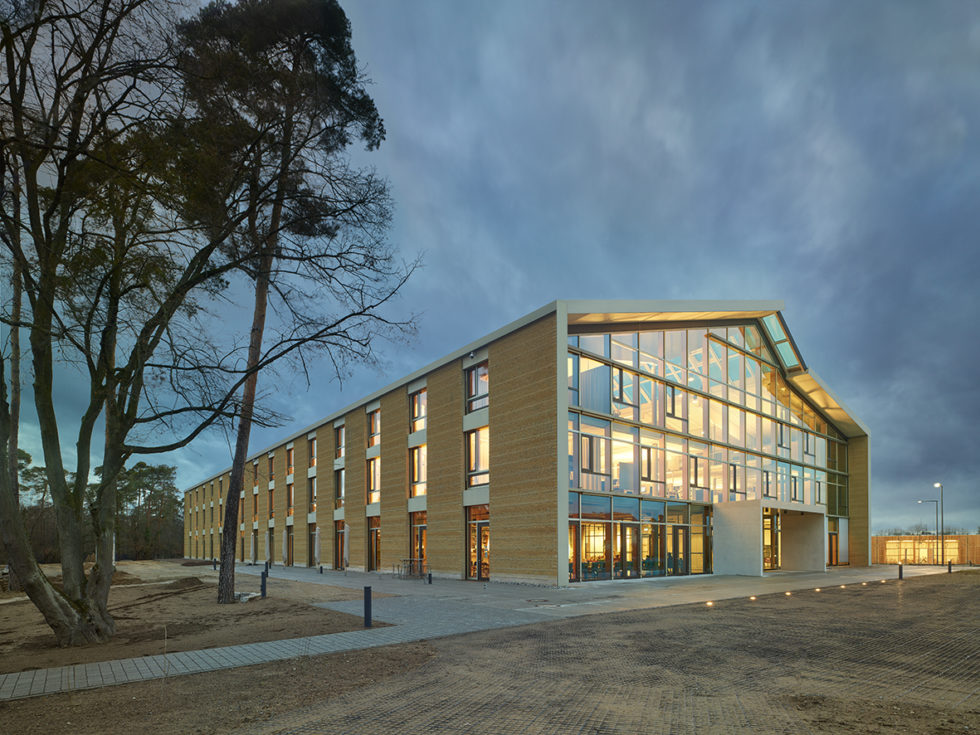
{"x": 822, "y": 154}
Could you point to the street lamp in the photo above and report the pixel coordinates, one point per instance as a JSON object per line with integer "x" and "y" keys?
{"x": 920, "y": 502}
{"x": 942, "y": 520}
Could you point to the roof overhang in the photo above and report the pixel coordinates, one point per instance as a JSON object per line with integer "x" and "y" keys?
{"x": 641, "y": 311}
{"x": 815, "y": 390}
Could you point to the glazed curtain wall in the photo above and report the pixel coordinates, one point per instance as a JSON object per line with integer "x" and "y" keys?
{"x": 701, "y": 415}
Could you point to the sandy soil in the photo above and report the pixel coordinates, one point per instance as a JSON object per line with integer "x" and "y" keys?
{"x": 165, "y": 607}
{"x": 217, "y": 702}
{"x": 882, "y": 659}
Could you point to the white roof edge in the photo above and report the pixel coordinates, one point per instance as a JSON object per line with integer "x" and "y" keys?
{"x": 820, "y": 381}
{"x": 584, "y": 306}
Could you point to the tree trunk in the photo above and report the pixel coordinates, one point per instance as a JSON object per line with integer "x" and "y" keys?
{"x": 74, "y": 620}
{"x": 13, "y": 581}
{"x": 226, "y": 576}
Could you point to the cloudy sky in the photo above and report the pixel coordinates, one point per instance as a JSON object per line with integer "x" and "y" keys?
{"x": 822, "y": 154}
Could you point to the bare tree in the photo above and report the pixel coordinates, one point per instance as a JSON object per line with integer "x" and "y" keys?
{"x": 124, "y": 213}
{"x": 108, "y": 273}
{"x": 296, "y": 96}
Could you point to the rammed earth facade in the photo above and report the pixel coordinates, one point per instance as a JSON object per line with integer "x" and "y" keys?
{"x": 588, "y": 440}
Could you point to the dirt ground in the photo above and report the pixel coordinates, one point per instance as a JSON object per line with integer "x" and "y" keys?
{"x": 164, "y": 607}
{"x": 902, "y": 657}
{"x": 217, "y": 702}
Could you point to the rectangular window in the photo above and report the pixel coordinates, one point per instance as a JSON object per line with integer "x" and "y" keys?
{"x": 767, "y": 484}
{"x": 418, "y": 404}
{"x": 272, "y": 469}
{"x": 311, "y": 451}
{"x": 272, "y": 504}
{"x": 374, "y": 428}
{"x": 477, "y": 387}
{"x": 339, "y": 489}
{"x": 572, "y": 379}
{"x": 373, "y": 480}
{"x": 478, "y": 457}
{"x": 290, "y": 498}
{"x": 736, "y": 480}
{"x": 289, "y": 461}
{"x": 646, "y": 464}
{"x": 255, "y": 507}
{"x": 338, "y": 442}
{"x": 417, "y": 471}
{"x": 311, "y": 493}
{"x": 255, "y": 474}
{"x": 671, "y": 396}
{"x": 782, "y": 434}
{"x": 794, "y": 487}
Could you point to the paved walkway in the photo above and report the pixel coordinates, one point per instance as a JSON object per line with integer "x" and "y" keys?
{"x": 419, "y": 611}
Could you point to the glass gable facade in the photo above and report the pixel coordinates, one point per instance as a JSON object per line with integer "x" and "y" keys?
{"x": 699, "y": 415}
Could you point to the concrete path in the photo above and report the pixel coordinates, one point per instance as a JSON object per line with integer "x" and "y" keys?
{"x": 419, "y": 611}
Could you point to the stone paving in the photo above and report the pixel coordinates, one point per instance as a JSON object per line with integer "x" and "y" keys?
{"x": 875, "y": 658}
{"x": 419, "y": 611}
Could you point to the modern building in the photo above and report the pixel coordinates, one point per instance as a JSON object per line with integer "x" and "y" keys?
{"x": 588, "y": 440}
{"x": 959, "y": 548}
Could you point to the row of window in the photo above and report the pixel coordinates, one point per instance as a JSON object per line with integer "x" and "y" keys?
{"x": 602, "y": 388}
{"x": 477, "y": 396}
{"x": 716, "y": 362}
{"x": 612, "y": 457}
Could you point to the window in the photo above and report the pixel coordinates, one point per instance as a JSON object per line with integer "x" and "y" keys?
{"x": 272, "y": 504}
{"x": 794, "y": 487}
{"x": 339, "y": 481}
{"x": 417, "y": 460}
{"x": 767, "y": 483}
{"x": 418, "y": 405}
{"x": 255, "y": 507}
{"x": 272, "y": 469}
{"x": 373, "y": 480}
{"x": 311, "y": 493}
{"x": 478, "y": 457}
{"x": 290, "y": 498}
{"x": 782, "y": 434}
{"x": 311, "y": 451}
{"x": 374, "y": 428}
{"x": 338, "y": 441}
{"x": 736, "y": 489}
{"x": 477, "y": 387}
{"x": 671, "y": 395}
{"x": 255, "y": 474}
{"x": 289, "y": 461}
{"x": 646, "y": 464}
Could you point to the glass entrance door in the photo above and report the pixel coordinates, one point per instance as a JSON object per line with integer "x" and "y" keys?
{"x": 770, "y": 539}
{"x": 678, "y": 546}
{"x": 479, "y": 566}
{"x": 627, "y": 552}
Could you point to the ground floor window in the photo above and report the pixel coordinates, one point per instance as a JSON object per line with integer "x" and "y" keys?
{"x": 374, "y": 543}
{"x": 478, "y": 532}
{"x": 339, "y": 546}
{"x": 417, "y": 540}
{"x": 626, "y": 538}
{"x": 241, "y": 544}
{"x": 288, "y": 561}
{"x": 313, "y": 546}
{"x": 771, "y": 545}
